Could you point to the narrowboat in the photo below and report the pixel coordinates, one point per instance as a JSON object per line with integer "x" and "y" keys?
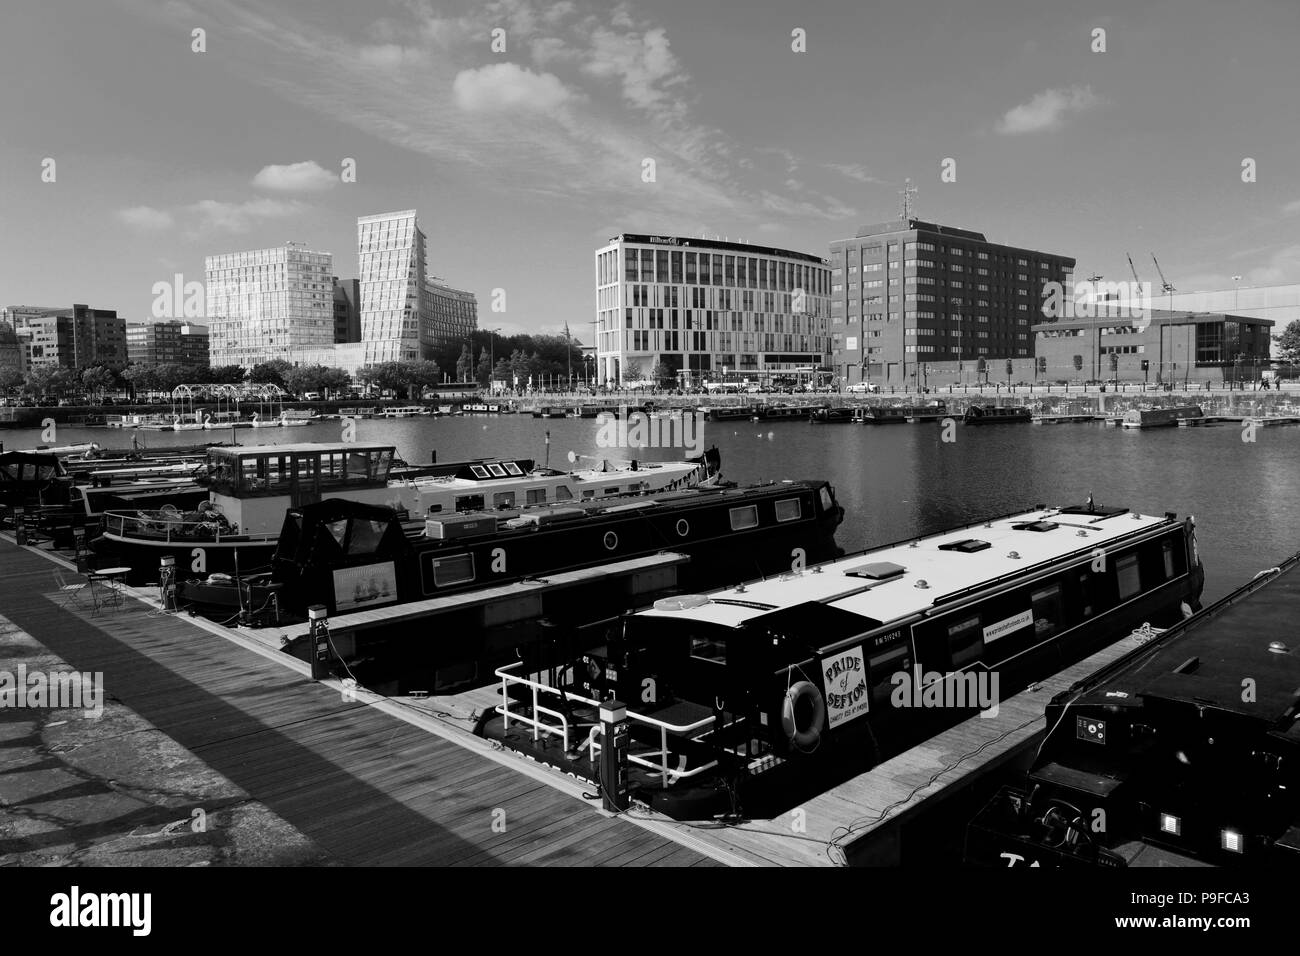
{"x": 782, "y": 413}
{"x": 882, "y": 414}
{"x": 997, "y": 415}
{"x": 248, "y": 489}
{"x": 833, "y": 416}
{"x": 550, "y": 411}
{"x": 760, "y": 695}
{"x": 1188, "y": 748}
{"x": 31, "y": 479}
{"x": 1160, "y": 417}
{"x": 347, "y": 555}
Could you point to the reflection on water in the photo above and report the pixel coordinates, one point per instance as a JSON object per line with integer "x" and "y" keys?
{"x": 898, "y": 481}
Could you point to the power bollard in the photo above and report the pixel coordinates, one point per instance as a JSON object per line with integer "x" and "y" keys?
{"x": 318, "y": 615}
{"x": 613, "y": 756}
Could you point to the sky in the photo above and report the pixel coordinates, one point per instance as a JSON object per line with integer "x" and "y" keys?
{"x": 522, "y": 161}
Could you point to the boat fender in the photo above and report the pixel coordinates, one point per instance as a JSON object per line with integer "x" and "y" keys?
{"x": 803, "y": 737}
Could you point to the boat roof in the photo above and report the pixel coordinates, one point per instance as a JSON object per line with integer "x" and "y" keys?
{"x": 305, "y": 447}
{"x": 880, "y": 585}
{"x": 1205, "y": 664}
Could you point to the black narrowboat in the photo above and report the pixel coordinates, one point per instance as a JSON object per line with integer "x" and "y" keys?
{"x": 997, "y": 415}
{"x": 754, "y": 698}
{"x": 1184, "y": 752}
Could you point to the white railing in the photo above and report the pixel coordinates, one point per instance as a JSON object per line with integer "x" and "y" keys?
{"x": 666, "y": 774}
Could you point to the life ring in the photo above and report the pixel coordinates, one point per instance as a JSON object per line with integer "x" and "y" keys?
{"x": 810, "y": 735}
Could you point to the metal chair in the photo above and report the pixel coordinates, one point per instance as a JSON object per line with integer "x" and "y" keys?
{"x": 71, "y": 590}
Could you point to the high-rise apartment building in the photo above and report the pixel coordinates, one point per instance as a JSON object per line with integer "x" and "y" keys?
{"x": 391, "y": 270}
{"x": 708, "y": 309}
{"x": 170, "y": 342}
{"x": 453, "y": 316}
{"x": 266, "y": 302}
{"x": 72, "y": 338}
{"x": 905, "y": 293}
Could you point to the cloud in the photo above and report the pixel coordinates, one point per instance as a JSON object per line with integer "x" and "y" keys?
{"x": 1292, "y": 208}
{"x": 145, "y": 218}
{"x": 1047, "y": 110}
{"x": 295, "y": 177}
{"x": 643, "y": 62}
{"x": 854, "y": 171}
{"x": 508, "y": 86}
{"x": 215, "y": 216}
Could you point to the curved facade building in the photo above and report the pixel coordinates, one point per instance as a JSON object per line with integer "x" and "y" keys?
{"x": 708, "y": 310}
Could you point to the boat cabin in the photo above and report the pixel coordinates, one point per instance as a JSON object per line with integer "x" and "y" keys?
{"x": 28, "y": 479}
{"x": 850, "y": 662}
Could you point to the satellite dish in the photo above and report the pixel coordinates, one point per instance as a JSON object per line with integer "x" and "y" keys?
{"x": 572, "y": 457}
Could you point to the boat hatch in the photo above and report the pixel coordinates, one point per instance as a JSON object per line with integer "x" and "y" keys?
{"x": 1098, "y": 511}
{"x": 1036, "y": 526}
{"x": 965, "y": 545}
{"x": 876, "y": 571}
{"x": 812, "y": 623}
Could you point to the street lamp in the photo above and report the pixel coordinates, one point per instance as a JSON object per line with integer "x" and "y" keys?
{"x": 492, "y": 355}
{"x": 1236, "y": 291}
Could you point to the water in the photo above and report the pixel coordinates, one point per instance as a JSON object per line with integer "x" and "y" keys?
{"x": 898, "y": 481}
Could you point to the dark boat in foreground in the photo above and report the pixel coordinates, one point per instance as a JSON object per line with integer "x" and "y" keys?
{"x": 348, "y": 555}
{"x": 1188, "y": 749}
{"x": 757, "y": 697}
{"x": 997, "y": 415}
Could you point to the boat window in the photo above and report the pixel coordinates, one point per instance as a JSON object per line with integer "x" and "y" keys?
{"x": 497, "y": 471}
{"x": 454, "y": 569}
{"x": 380, "y": 462}
{"x": 513, "y": 470}
{"x": 338, "y": 530}
{"x": 787, "y": 510}
{"x": 609, "y": 491}
{"x": 965, "y": 641}
{"x": 562, "y": 493}
{"x": 1047, "y": 610}
{"x": 1087, "y": 594}
{"x": 712, "y": 649}
{"x": 742, "y": 518}
{"x": 1167, "y": 550}
{"x": 588, "y": 493}
{"x": 434, "y": 509}
{"x": 536, "y": 496}
{"x": 479, "y": 471}
{"x": 366, "y": 535}
{"x": 1130, "y": 577}
{"x": 469, "y": 502}
{"x": 503, "y": 499}
{"x": 828, "y": 500}
{"x": 881, "y": 671}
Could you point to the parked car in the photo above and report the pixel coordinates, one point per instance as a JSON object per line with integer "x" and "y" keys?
{"x": 863, "y": 388}
{"x": 311, "y": 396}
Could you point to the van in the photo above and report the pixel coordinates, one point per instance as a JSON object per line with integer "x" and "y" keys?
{"x": 311, "y": 396}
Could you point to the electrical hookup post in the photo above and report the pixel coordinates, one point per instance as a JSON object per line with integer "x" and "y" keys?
{"x": 167, "y": 583}
{"x": 613, "y": 756}
{"x": 318, "y": 614}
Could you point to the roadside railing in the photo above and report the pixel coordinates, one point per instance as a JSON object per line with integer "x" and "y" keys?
{"x": 667, "y": 774}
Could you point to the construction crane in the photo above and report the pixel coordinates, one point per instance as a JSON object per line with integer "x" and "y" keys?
{"x": 1165, "y": 284}
{"x": 1133, "y": 269}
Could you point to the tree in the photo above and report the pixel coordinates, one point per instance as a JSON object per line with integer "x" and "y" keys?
{"x": 335, "y": 380}
{"x": 464, "y": 365}
{"x": 48, "y": 381}
{"x": 422, "y": 374}
{"x": 304, "y": 378}
{"x": 1114, "y": 363}
{"x": 664, "y": 375}
{"x": 10, "y": 378}
{"x": 1078, "y": 363}
{"x": 270, "y": 373}
{"x": 631, "y": 371}
{"x": 1288, "y": 343}
{"x": 484, "y": 369}
{"x": 226, "y": 375}
{"x": 97, "y": 380}
{"x": 386, "y": 376}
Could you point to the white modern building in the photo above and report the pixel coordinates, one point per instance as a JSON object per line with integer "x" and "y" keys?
{"x": 391, "y": 269}
{"x": 266, "y": 302}
{"x": 710, "y": 310}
